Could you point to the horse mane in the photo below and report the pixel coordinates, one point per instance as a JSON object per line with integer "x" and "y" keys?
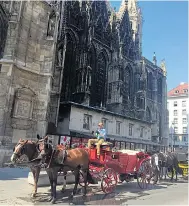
{"x": 22, "y": 141}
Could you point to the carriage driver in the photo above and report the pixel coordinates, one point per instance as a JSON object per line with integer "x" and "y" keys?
{"x": 101, "y": 137}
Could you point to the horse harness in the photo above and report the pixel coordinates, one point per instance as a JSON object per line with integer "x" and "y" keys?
{"x": 64, "y": 156}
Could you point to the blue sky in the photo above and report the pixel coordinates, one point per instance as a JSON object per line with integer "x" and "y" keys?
{"x": 165, "y": 31}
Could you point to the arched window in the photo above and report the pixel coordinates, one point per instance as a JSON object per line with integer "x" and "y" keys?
{"x": 150, "y": 85}
{"x": 128, "y": 82}
{"x": 159, "y": 86}
{"x": 148, "y": 114}
{"x": 100, "y": 79}
{"x": 160, "y": 90}
{"x": 3, "y": 30}
{"x": 121, "y": 74}
{"x": 69, "y": 81}
{"x": 150, "y": 81}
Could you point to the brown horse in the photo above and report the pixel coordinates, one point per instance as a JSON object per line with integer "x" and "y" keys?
{"x": 76, "y": 160}
{"x": 30, "y": 149}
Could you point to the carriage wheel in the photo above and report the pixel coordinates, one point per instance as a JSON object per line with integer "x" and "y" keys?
{"x": 144, "y": 174}
{"x": 109, "y": 181}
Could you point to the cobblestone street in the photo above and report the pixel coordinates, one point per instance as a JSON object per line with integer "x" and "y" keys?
{"x": 15, "y": 190}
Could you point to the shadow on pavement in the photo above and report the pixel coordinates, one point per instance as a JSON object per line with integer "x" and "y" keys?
{"x": 124, "y": 192}
{"x": 13, "y": 173}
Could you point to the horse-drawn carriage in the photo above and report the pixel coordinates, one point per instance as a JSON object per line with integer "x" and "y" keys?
{"x": 110, "y": 168}
{"x": 118, "y": 166}
{"x": 182, "y": 163}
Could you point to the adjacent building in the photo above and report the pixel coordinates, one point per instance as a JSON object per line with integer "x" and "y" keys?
{"x": 66, "y": 65}
{"x": 177, "y": 104}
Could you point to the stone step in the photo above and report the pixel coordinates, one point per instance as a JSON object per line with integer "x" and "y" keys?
{"x": 44, "y": 179}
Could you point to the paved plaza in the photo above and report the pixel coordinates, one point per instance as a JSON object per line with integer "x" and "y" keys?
{"x": 15, "y": 190}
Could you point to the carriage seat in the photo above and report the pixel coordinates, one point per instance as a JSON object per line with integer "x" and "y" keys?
{"x": 129, "y": 152}
{"x": 105, "y": 144}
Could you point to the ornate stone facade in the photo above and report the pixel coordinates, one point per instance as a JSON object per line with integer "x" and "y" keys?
{"x": 26, "y": 59}
{"x": 75, "y": 51}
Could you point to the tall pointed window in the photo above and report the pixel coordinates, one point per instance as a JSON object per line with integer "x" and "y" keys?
{"x": 69, "y": 70}
{"x": 3, "y": 30}
{"x": 100, "y": 80}
{"x": 128, "y": 83}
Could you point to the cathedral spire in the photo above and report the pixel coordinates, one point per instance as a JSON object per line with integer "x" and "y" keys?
{"x": 163, "y": 67}
{"x": 123, "y": 8}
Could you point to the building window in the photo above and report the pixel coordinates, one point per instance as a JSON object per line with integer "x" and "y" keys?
{"x": 130, "y": 129}
{"x": 105, "y": 123}
{"x": 175, "y": 138}
{"x": 185, "y": 90}
{"x": 183, "y": 103}
{"x": 184, "y": 120}
{"x": 175, "y": 121}
{"x": 175, "y": 103}
{"x": 184, "y": 139}
{"x": 175, "y": 130}
{"x": 128, "y": 145}
{"x": 141, "y": 131}
{"x": 184, "y": 130}
{"x": 87, "y": 120}
{"x": 177, "y": 91}
{"x": 118, "y": 127}
{"x": 175, "y": 113}
{"x": 184, "y": 112}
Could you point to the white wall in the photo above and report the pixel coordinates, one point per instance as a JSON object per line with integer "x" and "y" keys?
{"x": 76, "y": 123}
{"x": 179, "y": 109}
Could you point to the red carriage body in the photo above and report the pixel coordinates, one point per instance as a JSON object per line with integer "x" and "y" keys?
{"x": 121, "y": 161}
{"x": 123, "y": 165}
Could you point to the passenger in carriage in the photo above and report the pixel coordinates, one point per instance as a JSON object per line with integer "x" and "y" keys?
{"x": 101, "y": 137}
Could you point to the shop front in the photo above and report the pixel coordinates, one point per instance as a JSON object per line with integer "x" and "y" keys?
{"x": 80, "y": 140}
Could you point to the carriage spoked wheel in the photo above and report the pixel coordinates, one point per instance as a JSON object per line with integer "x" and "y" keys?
{"x": 144, "y": 174}
{"x": 109, "y": 181}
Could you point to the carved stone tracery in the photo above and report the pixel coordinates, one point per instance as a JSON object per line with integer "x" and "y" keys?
{"x": 22, "y": 115}
{"x": 51, "y": 24}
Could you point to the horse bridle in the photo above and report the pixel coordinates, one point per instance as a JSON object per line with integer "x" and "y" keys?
{"x": 21, "y": 149}
{"x": 22, "y": 144}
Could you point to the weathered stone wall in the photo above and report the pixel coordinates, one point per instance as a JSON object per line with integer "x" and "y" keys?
{"x": 5, "y": 154}
{"x": 26, "y": 71}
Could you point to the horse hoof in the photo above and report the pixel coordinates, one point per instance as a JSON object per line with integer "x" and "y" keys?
{"x": 33, "y": 195}
{"x": 53, "y": 201}
{"x": 50, "y": 199}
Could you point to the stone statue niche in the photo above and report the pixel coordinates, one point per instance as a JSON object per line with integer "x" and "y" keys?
{"x": 51, "y": 25}
{"x": 60, "y": 57}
